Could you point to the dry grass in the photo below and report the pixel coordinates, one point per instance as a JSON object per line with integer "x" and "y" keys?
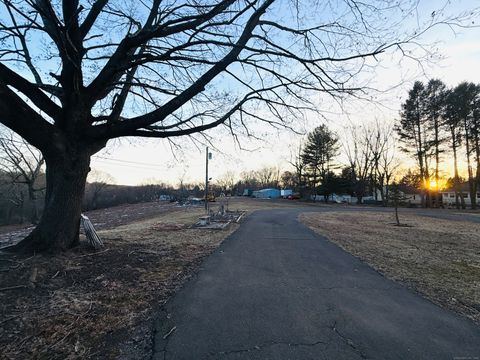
{"x": 438, "y": 258}
{"x": 251, "y": 204}
{"x": 82, "y": 304}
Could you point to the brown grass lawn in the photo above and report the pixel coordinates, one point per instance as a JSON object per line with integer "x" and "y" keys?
{"x": 438, "y": 258}
{"x": 85, "y": 304}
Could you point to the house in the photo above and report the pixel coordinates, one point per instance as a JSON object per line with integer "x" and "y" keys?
{"x": 449, "y": 195}
{"x": 335, "y": 198}
{"x": 267, "y": 194}
{"x": 410, "y": 194}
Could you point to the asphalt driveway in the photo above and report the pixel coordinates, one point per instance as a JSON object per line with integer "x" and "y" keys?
{"x": 276, "y": 290}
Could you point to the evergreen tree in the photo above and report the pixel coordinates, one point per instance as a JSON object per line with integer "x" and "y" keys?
{"x": 466, "y": 98}
{"x": 453, "y": 124}
{"x": 434, "y": 108}
{"x": 318, "y": 153}
{"x": 412, "y": 130}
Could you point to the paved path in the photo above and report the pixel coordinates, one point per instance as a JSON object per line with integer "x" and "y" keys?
{"x": 276, "y": 290}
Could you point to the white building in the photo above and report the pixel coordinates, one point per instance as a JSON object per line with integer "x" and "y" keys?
{"x": 449, "y": 196}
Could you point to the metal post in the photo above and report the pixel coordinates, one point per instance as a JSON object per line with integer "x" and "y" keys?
{"x": 206, "y": 181}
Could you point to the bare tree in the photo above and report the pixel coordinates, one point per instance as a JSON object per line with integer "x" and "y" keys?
{"x": 23, "y": 165}
{"x": 380, "y": 140}
{"x": 299, "y": 168}
{"x": 268, "y": 176}
{"x": 227, "y": 181}
{"x": 248, "y": 179}
{"x": 12, "y": 196}
{"x": 289, "y": 180}
{"x": 359, "y": 153}
{"x": 109, "y": 69}
{"x": 97, "y": 182}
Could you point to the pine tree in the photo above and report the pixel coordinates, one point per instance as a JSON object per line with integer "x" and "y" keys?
{"x": 413, "y": 130}
{"x": 434, "y": 108}
{"x": 320, "y": 149}
{"x": 453, "y": 124}
{"x": 466, "y": 97}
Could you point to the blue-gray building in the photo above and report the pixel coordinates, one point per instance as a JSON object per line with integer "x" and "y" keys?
{"x": 267, "y": 194}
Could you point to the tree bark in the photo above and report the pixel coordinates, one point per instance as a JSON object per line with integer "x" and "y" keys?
{"x": 456, "y": 184}
{"x": 33, "y": 200}
{"x": 58, "y": 229}
{"x": 437, "y": 162}
{"x": 396, "y": 213}
{"x": 471, "y": 184}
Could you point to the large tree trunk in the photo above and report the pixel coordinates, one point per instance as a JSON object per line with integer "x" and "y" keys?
{"x": 33, "y": 200}
{"x": 458, "y": 191}
{"x": 469, "y": 167}
{"x": 58, "y": 229}
{"x": 437, "y": 163}
{"x": 456, "y": 182}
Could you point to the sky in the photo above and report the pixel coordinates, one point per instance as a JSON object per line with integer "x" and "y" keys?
{"x": 133, "y": 161}
{"x": 139, "y": 161}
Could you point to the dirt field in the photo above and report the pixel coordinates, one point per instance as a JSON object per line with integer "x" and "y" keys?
{"x": 439, "y": 258}
{"x": 102, "y": 219}
{"x": 85, "y": 304}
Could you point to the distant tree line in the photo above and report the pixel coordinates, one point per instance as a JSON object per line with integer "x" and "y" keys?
{"x": 369, "y": 168}
{"x": 22, "y": 180}
{"x": 317, "y": 171}
{"x": 438, "y": 123}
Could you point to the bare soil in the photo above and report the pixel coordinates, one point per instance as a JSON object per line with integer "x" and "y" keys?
{"x": 88, "y": 305}
{"x": 102, "y": 219}
{"x": 436, "y": 257}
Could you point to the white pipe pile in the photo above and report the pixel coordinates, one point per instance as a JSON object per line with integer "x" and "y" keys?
{"x": 90, "y": 232}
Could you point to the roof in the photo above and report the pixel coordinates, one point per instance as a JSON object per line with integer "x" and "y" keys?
{"x": 406, "y": 189}
{"x": 462, "y": 187}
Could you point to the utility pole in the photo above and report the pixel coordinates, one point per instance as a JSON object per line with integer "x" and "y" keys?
{"x": 207, "y": 156}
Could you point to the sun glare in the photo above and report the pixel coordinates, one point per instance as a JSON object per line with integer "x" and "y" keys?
{"x": 434, "y": 185}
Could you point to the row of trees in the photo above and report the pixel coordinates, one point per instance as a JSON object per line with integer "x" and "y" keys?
{"x": 435, "y": 122}
{"x": 438, "y": 123}
{"x": 22, "y": 180}
{"x": 70, "y": 81}
{"x": 369, "y": 165}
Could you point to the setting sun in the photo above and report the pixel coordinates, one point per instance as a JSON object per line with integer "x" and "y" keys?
{"x": 434, "y": 185}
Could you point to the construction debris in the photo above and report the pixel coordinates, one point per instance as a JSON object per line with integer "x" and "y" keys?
{"x": 219, "y": 219}
{"x": 92, "y": 236}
